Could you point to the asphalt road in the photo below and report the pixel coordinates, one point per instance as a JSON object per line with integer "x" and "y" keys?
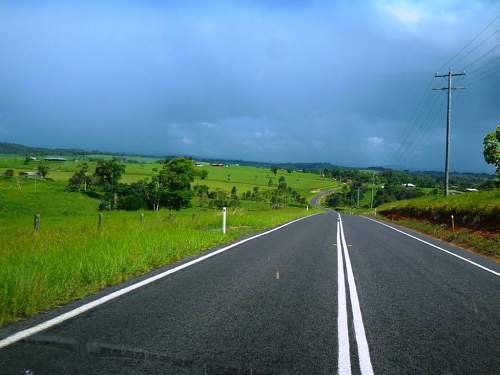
{"x": 276, "y": 304}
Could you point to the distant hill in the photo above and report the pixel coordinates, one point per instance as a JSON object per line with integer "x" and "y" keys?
{"x": 14, "y": 148}
{"x": 318, "y": 167}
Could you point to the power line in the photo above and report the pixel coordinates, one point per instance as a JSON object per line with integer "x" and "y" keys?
{"x": 482, "y": 56}
{"x": 478, "y": 46}
{"x": 414, "y": 117}
{"x": 422, "y": 128}
{"x": 425, "y": 114}
{"x": 447, "y": 63}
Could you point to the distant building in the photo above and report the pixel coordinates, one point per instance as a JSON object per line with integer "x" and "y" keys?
{"x": 218, "y": 165}
{"x": 54, "y": 158}
{"x": 198, "y": 165}
{"x": 409, "y": 186}
{"x": 31, "y": 174}
{"x": 33, "y": 158}
{"x": 471, "y": 190}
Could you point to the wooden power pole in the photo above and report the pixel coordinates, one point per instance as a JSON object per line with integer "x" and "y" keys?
{"x": 449, "y": 87}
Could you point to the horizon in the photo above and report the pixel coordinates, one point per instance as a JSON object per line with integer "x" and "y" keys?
{"x": 305, "y": 80}
{"x": 263, "y": 162}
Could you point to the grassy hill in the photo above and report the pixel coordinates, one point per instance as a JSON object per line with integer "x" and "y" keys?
{"x": 472, "y": 210}
{"x": 243, "y": 177}
{"x": 476, "y": 217}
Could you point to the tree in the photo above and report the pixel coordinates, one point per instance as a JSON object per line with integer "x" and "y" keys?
{"x": 201, "y": 192}
{"x": 9, "y": 173}
{"x": 43, "y": 170}
{"x": 219, "y": 198}
{"x": 81, "y": 178}
{"x": 203, "y": 174}
{"x": 282, "y": 183}
{"x": 108, "y": 173}
{"x": 175, "y": 183}
{"x": 270, "y": 182}
{"x": 233, "y": 193}
{"x": 491, "y": 150}
{"x": 274, "y": 169}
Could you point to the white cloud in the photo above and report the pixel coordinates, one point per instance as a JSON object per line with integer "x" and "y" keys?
{"x": 187, "y": 141}
{"x": 375, "y": 141}
{"x": 209, "y": 125}
{"x": 405, "y": 13}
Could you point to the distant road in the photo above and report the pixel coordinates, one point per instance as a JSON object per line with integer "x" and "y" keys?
{"x": 280, "y": 304}
{"x": 317, "y": 197}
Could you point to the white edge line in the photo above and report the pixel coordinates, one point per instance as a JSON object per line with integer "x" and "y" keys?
{"x": 20, "y": 335}
{"x": 365, "y": 363}
{"x": 344, "y": 359}
{"x": 435, "y": 246}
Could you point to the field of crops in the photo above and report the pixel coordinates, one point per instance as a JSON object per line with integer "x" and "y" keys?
{"x": 71, "y": 257}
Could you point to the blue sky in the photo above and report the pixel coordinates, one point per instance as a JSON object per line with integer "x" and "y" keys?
{"x": 337, "y": 81}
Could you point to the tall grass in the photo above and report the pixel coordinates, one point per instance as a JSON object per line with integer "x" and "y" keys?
{"x": 476, "y": 217}
{"x": 472, "y": 210}
{"x": 58, "y": 264}
{"x": 69, "y": 260}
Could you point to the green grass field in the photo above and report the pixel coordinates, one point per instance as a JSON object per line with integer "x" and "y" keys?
{"x": 476, "y": 217}
{"x": 244, "y": 178}
{"x": 70, "y": 257}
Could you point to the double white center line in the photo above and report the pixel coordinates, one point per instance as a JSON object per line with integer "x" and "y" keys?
{"x": 344, "y": 360}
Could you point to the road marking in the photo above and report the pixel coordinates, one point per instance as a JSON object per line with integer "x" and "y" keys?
{"x": 435, "y": 246}
{"x": 88, "y": 306}
{"x": 344, "y": 361}
{"x": 359, "y": 328}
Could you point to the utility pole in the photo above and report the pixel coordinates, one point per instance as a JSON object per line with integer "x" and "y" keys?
{"x": 449, "y": 75}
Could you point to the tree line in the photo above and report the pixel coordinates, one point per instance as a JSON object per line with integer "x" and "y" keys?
{"x": 168, "y": 187}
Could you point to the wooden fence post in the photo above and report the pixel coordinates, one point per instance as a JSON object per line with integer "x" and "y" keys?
{"x": 36, "y": 223}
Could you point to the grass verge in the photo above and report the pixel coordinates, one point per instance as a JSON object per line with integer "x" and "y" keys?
{"x": 70, "y": 259}
{"x": 477, "y": 211}
{"x": 485, "y": 243}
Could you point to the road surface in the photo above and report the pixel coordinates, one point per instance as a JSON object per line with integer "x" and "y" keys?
{"x": 281, "y": 304}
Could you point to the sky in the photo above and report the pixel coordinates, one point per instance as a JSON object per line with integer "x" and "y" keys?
{"x": 346, "y": 82}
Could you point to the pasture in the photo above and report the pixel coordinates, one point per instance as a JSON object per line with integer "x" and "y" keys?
{"x": 71, "y": 257}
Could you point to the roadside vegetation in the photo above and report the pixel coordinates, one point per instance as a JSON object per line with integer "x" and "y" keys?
{"x": 469, "y": 220}
{"x": 152, "y": 214}
{"x": 469, "y": 217}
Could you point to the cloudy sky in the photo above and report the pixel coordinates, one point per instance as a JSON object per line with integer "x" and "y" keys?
{"x": 347, "y": 82}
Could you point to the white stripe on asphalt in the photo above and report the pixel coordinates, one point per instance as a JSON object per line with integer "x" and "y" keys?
{"x": 344, "y": 362}
{"x": 88, "y": 306}
{"x": 359, "y": 329}
{"x": 435, "y": 246}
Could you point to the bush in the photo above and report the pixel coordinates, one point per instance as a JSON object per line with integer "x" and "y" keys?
{"x": 9, "y": 173}
{"x": 131, "y": 203}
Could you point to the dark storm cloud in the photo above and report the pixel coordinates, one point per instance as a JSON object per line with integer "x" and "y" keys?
{"x": 278, "y": 81}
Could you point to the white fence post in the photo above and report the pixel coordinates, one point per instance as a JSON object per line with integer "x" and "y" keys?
{"x": 224, "y": 220}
